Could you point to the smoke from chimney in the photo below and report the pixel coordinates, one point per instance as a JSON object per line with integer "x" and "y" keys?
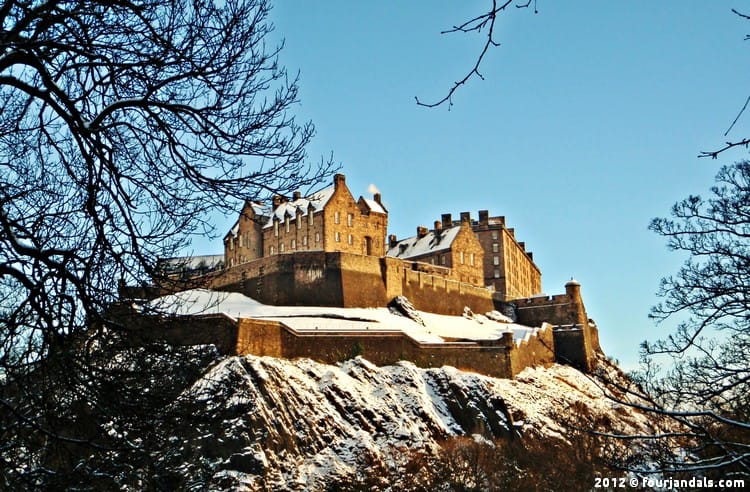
{"x": 372, "y": 189}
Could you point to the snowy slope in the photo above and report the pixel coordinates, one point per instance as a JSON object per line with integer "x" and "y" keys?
{"x": 301, "y": 425}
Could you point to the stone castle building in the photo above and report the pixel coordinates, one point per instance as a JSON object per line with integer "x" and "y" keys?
{"x": 330, "y": 220}
{"x": 508, "y": 267}
{"x": 452, "y": 246}
{"x": 328, "y": 249}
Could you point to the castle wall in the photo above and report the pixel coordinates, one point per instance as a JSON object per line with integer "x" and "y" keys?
{"x": 574, "y": 346}
{"x": 537, "y": 350}
{"x": 263, "y": 337}
{"x": 317, "y": 278}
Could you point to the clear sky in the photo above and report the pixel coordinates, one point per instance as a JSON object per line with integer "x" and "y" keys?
{"x": 587, "y": 125}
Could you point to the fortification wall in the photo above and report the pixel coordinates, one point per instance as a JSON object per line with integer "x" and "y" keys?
{"x": 272, "y": 338}
{"x": 318, "y": 278}
{"x": 536, "y": 350}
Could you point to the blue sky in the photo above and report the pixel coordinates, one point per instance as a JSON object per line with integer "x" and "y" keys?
{"x": 587, "y": 125}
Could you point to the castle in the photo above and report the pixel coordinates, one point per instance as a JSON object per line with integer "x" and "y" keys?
{"x": 328, "y": 249}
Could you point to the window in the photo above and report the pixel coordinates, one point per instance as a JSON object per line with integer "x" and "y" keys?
{"x": 494, "y": 235}
{"x": 317, "y": 237}
{"x": 299, "y": 221}
{"x": 304, "y": 240}
{"x": 276, "y": 227}
{"x": 471, "y": 259}
{"x": 495, "y": 260}
{"x": 239, "y": 239}
{"x": 294, "y": 244}
{"x": 338, "y": 237}
{"x": 281, "y": 248}
{"x": 442, "y": 260}
{"x": 271, "y": 250}
{"x": 349, "y": 219}
{"x": 495, "y": 247}
{"x": 336, "y": 218}
{"x": 286, "y": 223}
{"x": 461, "y": 257}
{"x": 310, "y": 216}
{"x": 497, "y": 273}
{"x": 351, "y": 239}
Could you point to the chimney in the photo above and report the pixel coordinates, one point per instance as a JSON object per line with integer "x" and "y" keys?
{"x": 522, "y": 245}
{"x": 392, "y": 241}
{"x": 278, "y": 200}
{"x": 297, "y": 195}
{"x": 338, "y": 180}
{"x": 376, "y": 197}
{"x": 502, "y": 220}
{"x": 530, "y": 255}
{"x": 512, "y": 232}
{"x": 438, "y": 226}
{"x": 484, "y": 217}
{"x": 465, "y": 217}
{"x": 422, "y": 231}
{"x": 447, "y": 220}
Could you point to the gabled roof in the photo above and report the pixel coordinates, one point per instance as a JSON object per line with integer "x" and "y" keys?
{"x": 261, "y": 211}
{"x": 374, "y": 206}
{"x": 317, "y": 200}
{"x": 415, "y": 246}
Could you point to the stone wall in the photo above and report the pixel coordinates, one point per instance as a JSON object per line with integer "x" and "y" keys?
{"x": 317, "y": 278}
{"x": 259, "y": 337}
{"x": 563, "y": 309}
{"x": 536, "y": 350}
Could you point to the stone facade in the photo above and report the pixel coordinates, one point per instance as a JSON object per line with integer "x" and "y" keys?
{"x": 329, "y": 220}
{"x": 320, "y": 278}
{"x": 454, "y": 248}
{"x": 508, "y": 267}
{"x": 244, "y": 242}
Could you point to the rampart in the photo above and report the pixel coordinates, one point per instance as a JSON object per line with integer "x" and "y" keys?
{"x": 319, "y": 278}
{"x": 503, "y": 358}
{"x": 576, "y": 338}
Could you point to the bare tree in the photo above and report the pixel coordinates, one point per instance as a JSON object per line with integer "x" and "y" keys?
{"x": 707, "y": 385}
{"x": 482, "y": 24}
{"x": 123, "y": 124}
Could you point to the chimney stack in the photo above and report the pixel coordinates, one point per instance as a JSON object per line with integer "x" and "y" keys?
{"x": 447, "y": 220}
{"x": 484, "y": 217}
{"x": 338, "y": 180}
{"x": 392, "y": 241}
{"x": 297, "y": 195}
{"x": 422, "y": 231}
{"x": 466, "y": 217}
{"x": 278, "y": 200}
{"x": 376, "y": 197}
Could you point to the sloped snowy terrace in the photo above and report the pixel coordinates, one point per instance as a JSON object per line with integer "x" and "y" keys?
{"x": 436, "y": 329}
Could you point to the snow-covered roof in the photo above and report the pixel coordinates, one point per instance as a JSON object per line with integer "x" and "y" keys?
{"x": 436, "y": 329}
{"x": 317, "y": 200}
{"x": 374, "y": 206}
{"x": 416, "y": 246}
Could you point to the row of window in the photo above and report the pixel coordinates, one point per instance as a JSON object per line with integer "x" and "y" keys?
{"x": 287, "y": 227}
{"x": 292, "y": 244}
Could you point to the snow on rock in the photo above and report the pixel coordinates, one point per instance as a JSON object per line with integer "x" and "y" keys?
{"x": 298, "y": 424}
